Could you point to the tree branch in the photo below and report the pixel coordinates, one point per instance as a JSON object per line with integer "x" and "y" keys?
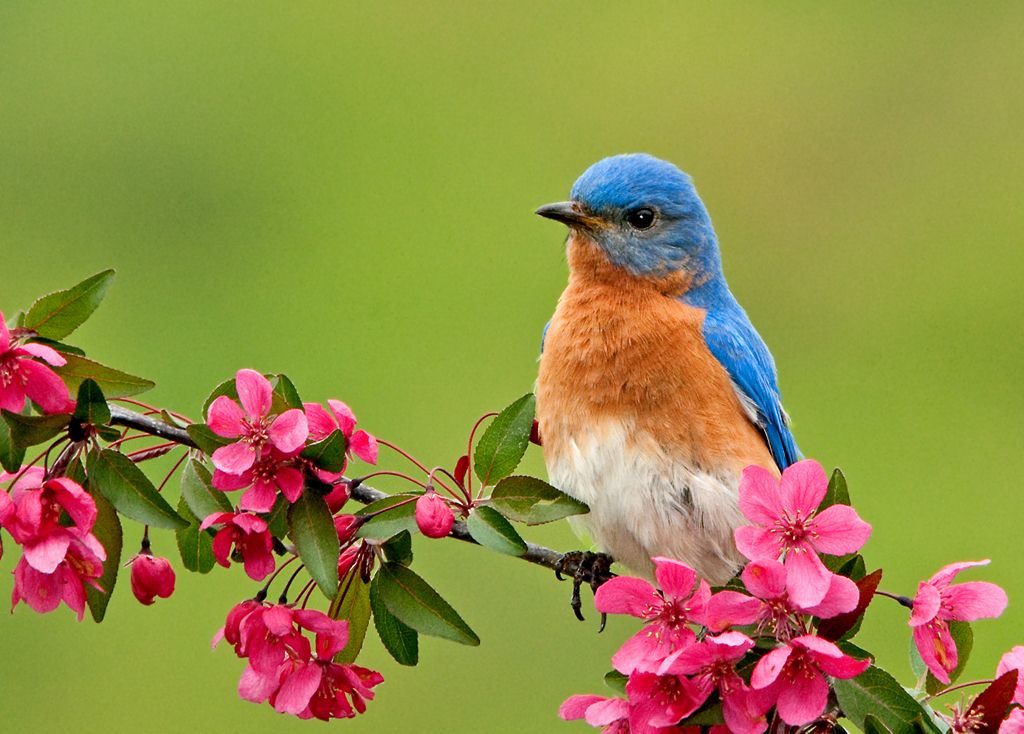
{"x": 536, "y": 554}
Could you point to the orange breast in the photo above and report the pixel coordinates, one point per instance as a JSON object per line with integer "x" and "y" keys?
{"x": 623, "y": 348}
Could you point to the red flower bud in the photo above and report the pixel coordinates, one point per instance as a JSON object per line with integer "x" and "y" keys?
{"x": 433, "y": 516}
{"x": 535, "y": 434}
{"x": 346, "y": 525}
{"x": 152, "y": 576}
{"x": 337, "y": 497}
{"x": 346, "y": 560}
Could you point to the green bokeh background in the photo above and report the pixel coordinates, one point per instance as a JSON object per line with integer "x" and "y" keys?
{"x": 345, "y": 194}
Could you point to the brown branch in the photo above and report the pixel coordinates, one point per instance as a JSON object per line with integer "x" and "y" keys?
{"x": 536, "y": 554}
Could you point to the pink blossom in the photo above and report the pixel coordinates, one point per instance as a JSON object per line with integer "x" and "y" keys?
{"x": 795, "y": 675}
{"x": 772, "y": 609}
{"x": 338, "y": 416}
{"x": 1013, "y": 723}
{"x": 43, "y": 592}
{"x": 711, "y": 666}
{"x": 346, "y": 527}
{"x": 938, "y": 601}
{"x": 347, "y": 559}
{"x": 21, "y": 375}
{"x": 434, "y": 517}
{"x": 252, "y": 424}
{"x": 1013, "y": 660}
{"x": 250, "y": 535}
{"x": 659, "y": 700}
{"x": 788, "y": 523}
{"x": 612, "y": 716}
{"x": 152, "y": 576}
{"x": 681, "y": 601}
{"x": 273, "y": 471}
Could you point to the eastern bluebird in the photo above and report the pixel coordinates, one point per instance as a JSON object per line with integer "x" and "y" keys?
{"x": 655, "y": 390}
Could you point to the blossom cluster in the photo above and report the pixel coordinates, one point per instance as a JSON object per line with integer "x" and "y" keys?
{"x": 283, "y": 667}
{"x": 25, "y": 373}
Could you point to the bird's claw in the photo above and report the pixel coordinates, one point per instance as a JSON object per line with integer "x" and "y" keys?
{"x": 586, "y": 567}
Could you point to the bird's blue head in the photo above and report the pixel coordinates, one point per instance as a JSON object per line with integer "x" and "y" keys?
{"x": 645, "y": 214}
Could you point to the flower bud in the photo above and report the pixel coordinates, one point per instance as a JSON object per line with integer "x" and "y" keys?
{"x": 152, "y": 576}
{"x": 337, "y": 497}
{"x": 346, "y": 560}
{"x": 346, "y": 526}
{"x": 433, "y": 516}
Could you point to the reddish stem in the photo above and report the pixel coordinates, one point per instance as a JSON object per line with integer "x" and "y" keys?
{"x": 469, "y": 449}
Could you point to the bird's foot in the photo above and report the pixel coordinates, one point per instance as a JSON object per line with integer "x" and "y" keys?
{"x": 585, "y": 567}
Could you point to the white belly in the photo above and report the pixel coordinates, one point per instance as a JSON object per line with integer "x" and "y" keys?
{"x": 645, "y": 502}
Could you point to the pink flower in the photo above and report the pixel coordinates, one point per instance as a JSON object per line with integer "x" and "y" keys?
{"x": 252, "y": 424}
{"x": 711, "y": 666}
{"x": 32, "y": 515}
{"x": 657, "y": 701}
{"x": 681, "y": 601}
{"x": 249, "y": 535}
{"x": 273, "y": 471}
{"x": 1013, "y": 660}
{"x": 612, "y": 716}
{"x": 338, "y": 416}
{"x": 43, "y": 592}
{"x": 795, "y": 673}
{"x": 939, "y": 602}
{"x": 152, "y": 576}
{"x": 21, "y": 375}
{"x": 772, "y": 609}
{"x": 788, "y": 522}
{"x": 347, "y": 559}
{"x": 1013, "y": 723}
{"x": 346, "y": 527}
{"x": 433, "y": 516}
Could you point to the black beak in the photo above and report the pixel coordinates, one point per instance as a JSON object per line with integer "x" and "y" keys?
{"x": 569, "y": 213}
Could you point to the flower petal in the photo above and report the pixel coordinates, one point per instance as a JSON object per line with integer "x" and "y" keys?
{"x": 803, "y": 699}
{"x": 842, "y": 597}
{"x": 44, "y": 386}
{"x": 363, "y": 445}
{"x": 765, "y": 579}
{"x": 768, "y": 668}
{"x": 321, "y": 423}
{"x": 839, "y": 530}
{"x": 946, "y": 574}
{"x": 807, "y": 579}
{"x": 975, "y": 600}
{"x": 289, "y": 480}
{"x": 757, "y": 543}
{"x": 48, "y": 552}
{"x": 260, "y": 497}
{"x": 289, "y": 430}
{"x": 234, "y": 458}
{"x": 48, "y": 354}
{"x": 344, "y": 415}
{"x": 937, "y": 649}
{"x": 626, "y": 595}
{"x": 927, "y": 603}
{"x": 759, "y": 496}
{"x": 731, "y": 608}
{"x": 607, "y": 712}
{"x": 803, "y": 487}
{"x": 575, "y": 707}
{"x": 675, "y": 578}
{"x": 225, "y": 417}
{"x": 254, "y": 392}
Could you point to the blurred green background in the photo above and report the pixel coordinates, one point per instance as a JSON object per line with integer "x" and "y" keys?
{"x": 345, "y": 193}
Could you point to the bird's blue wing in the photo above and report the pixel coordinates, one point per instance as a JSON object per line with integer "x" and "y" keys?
{"x": 735, "y": 343}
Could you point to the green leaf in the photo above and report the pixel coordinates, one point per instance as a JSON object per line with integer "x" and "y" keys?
{"x": 277, "y": 518}
{"x": 312, "y": 528}
{"x": 876, "y": 693}
{"x": 493, "y": 531}
{"x": 114, "y": 383}
{"x": 205, "y": 439}
{"x": 533, "y": 501}
{"x": 399, "y": 639}
{"x": 286, "y": 397}
{"x": 851, "y": 565}
{"x": 386, "y": 524}
{"x": 963, "y": 637}
{"x": 108, "y": 531}
{"x": 838, "y": 493}
{"x": 616, "y": 681}
{"x": 11, "y": 455}
{"x": 130, "y": 491}
{"x": 194, "y": 545}
{"x": 225, "y": 388}
{"x": 501, "y": 448}
{"x": 399, "y": 548}
{"x": 328, "y": 454}
{"x": 29, "y": 430}
{"x": 199, "y": 493}
{"x": 874, "y": 726}
{"x": 352, "y": 602}
{"x": 416, "y": 604}
{"x": 707, "y": 716}
{"x": 91, "y": 407}
{"x": 56, "y": 315}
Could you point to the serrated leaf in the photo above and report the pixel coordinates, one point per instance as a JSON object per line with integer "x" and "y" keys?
{"x": 840, "y": 625}
{"x": 114, "y": 383}
{"x": 57, "y": 314}
{"x": 205, "y": 439}
{"x": 91, "y": 406}
{"x": 108, "y": 531}
{"x": 277, "y": 518}
{"x": 199, "y": 493}
{"x": 312, "y": 529}
{"x": 491, "y": 530}
{"x": 382, "y": 526}
{"x": 129, "y": 490}
{"x": 352, "y": 603}
{"x": 963, "y": 638}
{"x": 500, "y": 449}
{"x": 616, "y": 681}
{"x": 415, "y": 603}
{"x": 838, "y": 493}
{"x": 29, "y": 430}
{"x": 11, "y": 455}
{"x": 194, "y": 545}
{"x": 328, "y": 454}
{"x": 876, "y": 693}
{"x": 533, "y": 501}
{"x": 399, "y": 639}
{"x": 285, "y": 396}
{"x": 399, "y": 548}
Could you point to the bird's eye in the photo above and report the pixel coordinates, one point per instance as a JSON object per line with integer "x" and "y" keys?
{"x": 640, "y": 218}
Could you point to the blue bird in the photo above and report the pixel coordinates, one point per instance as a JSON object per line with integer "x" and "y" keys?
{"x": 654, "y": 390}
